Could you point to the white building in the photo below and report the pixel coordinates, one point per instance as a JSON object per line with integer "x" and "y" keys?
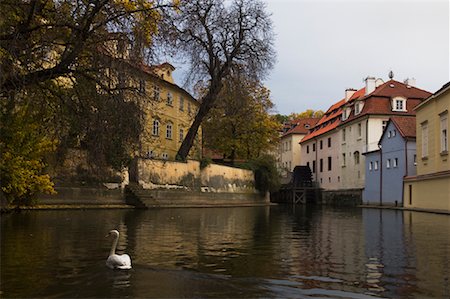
{"x": 290, "y": 147}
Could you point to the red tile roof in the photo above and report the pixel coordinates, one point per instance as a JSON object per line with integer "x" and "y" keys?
{"x": 379, "y": 101}
{"x": 321, "y": 130}
{"x": 301, "y": 126}
{"x": 394, "y": 88}
{"x": 406, "y": 125}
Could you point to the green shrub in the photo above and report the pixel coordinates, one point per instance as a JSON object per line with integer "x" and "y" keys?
{"x": 266, "y": 174}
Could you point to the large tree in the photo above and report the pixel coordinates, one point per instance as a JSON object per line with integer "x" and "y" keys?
{"x": 239, "y": 126}
{"x": 65, "y": 69}
{"x": 215, "y": 36}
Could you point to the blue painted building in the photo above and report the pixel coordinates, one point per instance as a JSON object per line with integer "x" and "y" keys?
{"x": 387, "y": 166}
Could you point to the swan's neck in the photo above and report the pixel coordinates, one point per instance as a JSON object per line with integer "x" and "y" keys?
{"x": 114, "y": 245}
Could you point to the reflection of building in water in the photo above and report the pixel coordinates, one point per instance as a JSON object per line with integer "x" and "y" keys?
{"x": 385, "y": 250}
{"x": 196, "y": 239}
{"x": 322, "y": 247}
{"x": 429, "y": 234}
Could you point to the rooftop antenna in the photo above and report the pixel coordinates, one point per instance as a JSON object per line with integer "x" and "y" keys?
{"x": 391, "y": 74}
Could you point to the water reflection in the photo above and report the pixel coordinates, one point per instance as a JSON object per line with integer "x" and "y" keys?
{"x": 287, "y": 252}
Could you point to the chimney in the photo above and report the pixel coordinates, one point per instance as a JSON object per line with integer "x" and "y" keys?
{"x": 348, "y": 93}
{"x": 410, "y": 82}
{"x": 370, "y": 85}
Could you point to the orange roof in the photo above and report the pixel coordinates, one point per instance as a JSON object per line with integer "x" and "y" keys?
{"x": 322, "y": 130}
{"x": 301, "y": 126}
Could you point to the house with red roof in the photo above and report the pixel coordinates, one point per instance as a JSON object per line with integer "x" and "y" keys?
{"x": 290, "y": 149}
{"x": 365, "y": 117}
{"x": 334, "y": 147}
{"x": 395, "y": 158}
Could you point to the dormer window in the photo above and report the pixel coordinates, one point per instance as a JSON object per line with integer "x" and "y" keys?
{"x": 399, "y": 104}
{"x": 357, "y": 109}
{"x": 307, "y": 126}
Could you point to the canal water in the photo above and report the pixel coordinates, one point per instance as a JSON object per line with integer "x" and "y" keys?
{"x": 251, "y": 252}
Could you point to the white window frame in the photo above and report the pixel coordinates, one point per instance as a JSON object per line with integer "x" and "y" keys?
{"x": 375, "y": 165}
{"x": 155, "y": 127}
{"x": 370, "y": 165}
{"x": 395, "y": 163}
{"x": 399, "y": 104}
{"x": 357, "y": 110}
{"x": 388, "y": 163}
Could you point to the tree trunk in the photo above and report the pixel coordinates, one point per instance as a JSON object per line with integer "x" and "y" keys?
{"x": 206, "y": 105}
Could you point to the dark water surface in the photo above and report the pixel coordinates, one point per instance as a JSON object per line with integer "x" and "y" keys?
{"x": 270, "y": 252}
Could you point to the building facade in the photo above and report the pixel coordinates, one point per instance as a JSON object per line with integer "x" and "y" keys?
{"x": 290, "y": 147}
{"x": 169, "y": 112}
{"x": 386, "y": 167}
{"x": 364, "y": 118}
{"x": 430, "y": 188}
{"x": 320, "y": 148}
{"x": 354, "y": 126}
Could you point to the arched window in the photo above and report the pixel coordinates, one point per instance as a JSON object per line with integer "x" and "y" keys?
{"x": 356, "y": 156}
{"x": 155, "y": 129}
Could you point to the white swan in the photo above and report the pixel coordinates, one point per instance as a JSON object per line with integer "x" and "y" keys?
{"x": 117, "y": 261}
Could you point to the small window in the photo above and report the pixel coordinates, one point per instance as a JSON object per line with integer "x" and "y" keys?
{"x": 357, "y": 108}
{"x": 181, "y": 135}
{"x": 359, "y": 130}
{"x": 155, "y": 128}
{"x": 314, "y": 147}
{"x": 444, "y": 133}
{"x": 343, "y": 134}
{"x": 169, "y": 99}
{"x": 356, "y": 157}
{"x": 395, "y": 163}
{"x": 399, "y": 104}
{"x": 394, "y": 133}
{"x": 329, "y": 163}
{"x": 388, "y": 163}
{"x": 321, "y": 165}
{"x": 181, "y": 104}
{"x": 307, "y": 149}
{"x": 314, "y": 166}
{"x": 343, "y": 159}
{"x": 384, "y": 124}
{"x": 424, "y": 131}
{"x": 321, "y": 144}
{"x": 156, "y": 92}
{"x": 370, "y": 165}
{"x": 169, "y": 131}
{"x": 389, "y": 134}
{"x": 329, "y": 141}
{"x": 375, "y": 165}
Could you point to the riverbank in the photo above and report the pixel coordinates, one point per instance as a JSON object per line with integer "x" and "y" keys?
{"x": 405, "y": 209}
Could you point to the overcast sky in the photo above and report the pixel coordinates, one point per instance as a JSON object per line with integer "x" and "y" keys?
{"x": 324, "y": 47}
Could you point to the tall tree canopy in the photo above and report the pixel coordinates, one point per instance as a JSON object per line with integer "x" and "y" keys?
{"x": 64, "y": 74}
{"x": 216, "y": 36}
{"x": 239, "y": 126}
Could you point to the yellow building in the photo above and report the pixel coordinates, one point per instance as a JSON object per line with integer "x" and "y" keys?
{"x": 430, "y": 189}
{"x": 169, "y": 111}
